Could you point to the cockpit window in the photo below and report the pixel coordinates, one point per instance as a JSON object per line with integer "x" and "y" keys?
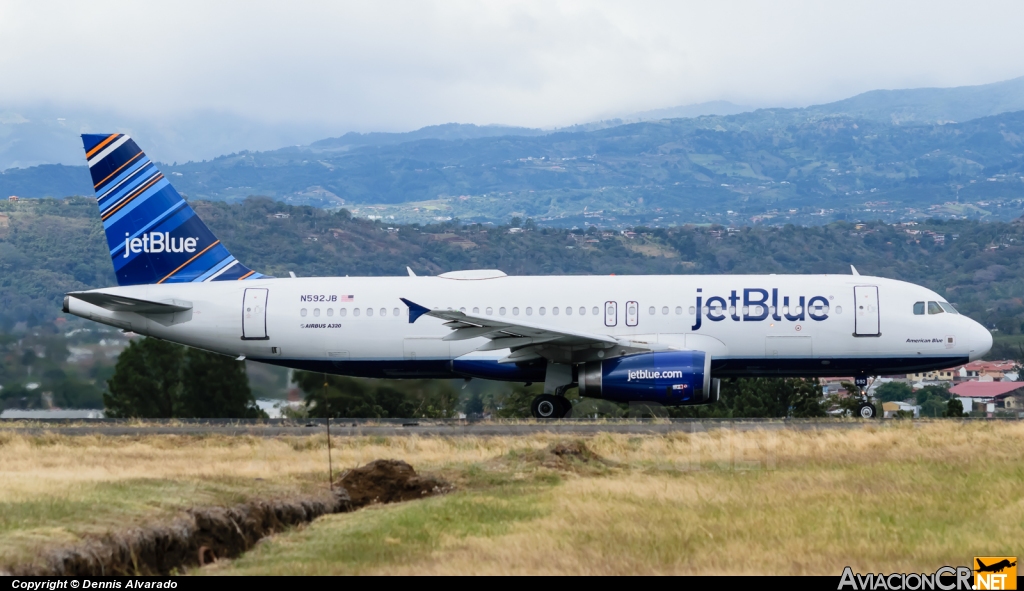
{"x": 948, "y": 308}
{"x": 919, "y": 308}
{"x": 934, "y": 308}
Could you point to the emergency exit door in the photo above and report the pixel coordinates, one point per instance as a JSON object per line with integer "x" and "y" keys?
{"x": 611, "y": 313}
{"x": 254, "y": 315}
{"x": 866, "y": 319}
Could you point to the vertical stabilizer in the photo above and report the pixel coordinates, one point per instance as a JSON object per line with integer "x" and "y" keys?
{"x": 153, "y": 234}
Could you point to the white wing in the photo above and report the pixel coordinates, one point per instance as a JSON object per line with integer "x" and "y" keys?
{"x": 526, "y": 339}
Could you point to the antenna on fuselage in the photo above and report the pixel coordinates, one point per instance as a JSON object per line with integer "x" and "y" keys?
{"x": 411, "y": 273}
{"x": 291, "y": 274}
{"x": 854, "y": 270}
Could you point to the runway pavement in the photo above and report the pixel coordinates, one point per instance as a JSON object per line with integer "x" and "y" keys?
{"x": 427, "y": 428}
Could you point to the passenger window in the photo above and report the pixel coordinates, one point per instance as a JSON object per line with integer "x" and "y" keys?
{"x": 396, "y": 312}
{"x": 918, "y": 308}
{"x": 369, "y": 311}
{"x": 934, "y": 308}
{"x": 343, "y": 312}
{"x": 330, "y": 312}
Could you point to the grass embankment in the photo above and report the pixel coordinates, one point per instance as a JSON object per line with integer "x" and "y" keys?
{"x": 889, "y": 499}
{"x": 892, "y": 498}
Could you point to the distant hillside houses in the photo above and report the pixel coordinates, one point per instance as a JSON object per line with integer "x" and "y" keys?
{"x": 985, "y": 388}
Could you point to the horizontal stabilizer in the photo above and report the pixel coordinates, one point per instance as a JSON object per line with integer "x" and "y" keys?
{"x": 116, "y": 303}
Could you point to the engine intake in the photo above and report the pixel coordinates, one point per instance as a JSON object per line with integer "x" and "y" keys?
{"x": 668, "y": 377}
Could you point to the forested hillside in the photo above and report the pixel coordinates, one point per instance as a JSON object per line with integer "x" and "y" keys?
{"x": 49, "y": 247}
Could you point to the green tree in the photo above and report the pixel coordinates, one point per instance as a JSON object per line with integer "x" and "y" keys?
{"x": 805, "y": 399}
{"x": 18, "y": 396}
{"x": 71, "y": 392}
{"x": 146, "y": 381}
{"x": 345, "y": 397}
{"x": 155, "y": 379}
{"x": 215, "y": 386}
{"x": 894, "y": 391}
{"x": 939, "y": 392}
{"x": 954, "y": 408}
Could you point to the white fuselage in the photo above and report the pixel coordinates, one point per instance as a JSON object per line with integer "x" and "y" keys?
{"x": 359, "y": 326}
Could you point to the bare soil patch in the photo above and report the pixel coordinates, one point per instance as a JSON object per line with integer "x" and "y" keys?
{"x": 388, "y": 481}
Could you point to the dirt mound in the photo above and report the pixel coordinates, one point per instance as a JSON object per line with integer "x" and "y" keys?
{"x": 569, "y": 456}
{"x": 388, "y": 481}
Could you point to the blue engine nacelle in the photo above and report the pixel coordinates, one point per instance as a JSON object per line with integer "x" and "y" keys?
{"x": 668, "y": 377}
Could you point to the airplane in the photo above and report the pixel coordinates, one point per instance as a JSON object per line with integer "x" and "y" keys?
{"x": 647, "y": 338}
{"x": 994, "y": 568}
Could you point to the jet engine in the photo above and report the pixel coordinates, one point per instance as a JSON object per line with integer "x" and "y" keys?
{"x": 668, "y": 377}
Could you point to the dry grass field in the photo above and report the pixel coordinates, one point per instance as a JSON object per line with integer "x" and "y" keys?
{"x": 891, "y": 497}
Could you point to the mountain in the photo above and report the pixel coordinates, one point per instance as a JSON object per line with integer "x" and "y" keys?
{"x": 448, "y": 131}
{"x": 770, "y": 160}
{"x": 51, "y": 134}
{"x": 689, "y": 111}
{"x": 930, "y": 105}
{"x": 875, "y": 156}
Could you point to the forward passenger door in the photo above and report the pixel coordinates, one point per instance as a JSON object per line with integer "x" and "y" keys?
{"x": 866, "y": 314}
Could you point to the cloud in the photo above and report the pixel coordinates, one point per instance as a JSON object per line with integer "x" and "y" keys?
{"x": 398, "y": 65}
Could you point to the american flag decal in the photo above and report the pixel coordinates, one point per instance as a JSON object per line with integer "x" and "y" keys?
{"x": 348, "y": 298}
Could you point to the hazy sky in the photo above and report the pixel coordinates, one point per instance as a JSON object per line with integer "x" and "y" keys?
{"x": 398, "y": 65}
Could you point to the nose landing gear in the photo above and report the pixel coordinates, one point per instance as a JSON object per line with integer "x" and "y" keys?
{"x": 865, "y": 410}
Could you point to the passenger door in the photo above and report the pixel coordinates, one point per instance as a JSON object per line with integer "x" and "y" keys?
{"x": 254, "y": 314}
{"x": 866, "y": 315}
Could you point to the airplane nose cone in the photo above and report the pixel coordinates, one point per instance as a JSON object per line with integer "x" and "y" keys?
{"x": 981, "y": 341}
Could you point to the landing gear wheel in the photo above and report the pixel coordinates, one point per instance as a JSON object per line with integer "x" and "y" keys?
{"x": 866, "y": 410}
{"x": 547, "y": 406}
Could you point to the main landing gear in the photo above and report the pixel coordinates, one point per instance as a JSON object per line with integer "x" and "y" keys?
{"x": 548, "y": 406}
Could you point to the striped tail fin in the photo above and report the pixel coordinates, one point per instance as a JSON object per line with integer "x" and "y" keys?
{"x": 153, "y": 234}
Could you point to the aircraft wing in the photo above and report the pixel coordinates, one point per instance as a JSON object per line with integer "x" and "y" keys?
{"x": 526, "y": 340}
{"x": 116, "y": 303}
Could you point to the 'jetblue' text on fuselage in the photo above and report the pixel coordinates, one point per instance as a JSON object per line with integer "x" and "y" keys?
{"x": 756, "y": 305}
